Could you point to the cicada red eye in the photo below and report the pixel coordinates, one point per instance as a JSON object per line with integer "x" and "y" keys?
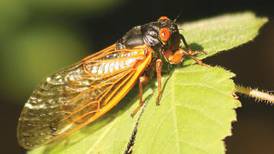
{"x": 164, "y": 34}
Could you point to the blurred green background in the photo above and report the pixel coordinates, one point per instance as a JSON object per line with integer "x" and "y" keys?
{"x": 39, "y": 37}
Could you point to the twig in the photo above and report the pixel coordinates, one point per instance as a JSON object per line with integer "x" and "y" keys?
{"x": 260, "y": 96}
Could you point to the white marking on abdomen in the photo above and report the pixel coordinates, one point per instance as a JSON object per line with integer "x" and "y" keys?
{"x": 109, "y": 67}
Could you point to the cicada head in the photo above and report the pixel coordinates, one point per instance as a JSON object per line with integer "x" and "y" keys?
{"x": 163, "y": 36}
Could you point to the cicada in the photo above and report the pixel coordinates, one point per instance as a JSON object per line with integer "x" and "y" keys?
{"x": 78, "y": 95}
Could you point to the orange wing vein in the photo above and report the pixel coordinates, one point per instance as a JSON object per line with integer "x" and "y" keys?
{"x": 76, "y": 96}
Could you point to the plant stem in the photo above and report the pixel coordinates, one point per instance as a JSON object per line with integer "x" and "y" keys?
{"x": 255, "y": 93}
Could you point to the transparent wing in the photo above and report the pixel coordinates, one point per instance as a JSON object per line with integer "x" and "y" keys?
{"x": 76, "y": 96}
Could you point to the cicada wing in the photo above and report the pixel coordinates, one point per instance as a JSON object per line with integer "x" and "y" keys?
{"x": 76, "y": 96}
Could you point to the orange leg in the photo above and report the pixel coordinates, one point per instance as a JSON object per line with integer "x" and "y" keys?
{"x": 178, "y": 56}
{"x": 142, "y": 80}
{"x": 192, "y": 55}
{"x": 159, "y": 65}
{"x": 189, "y": 52}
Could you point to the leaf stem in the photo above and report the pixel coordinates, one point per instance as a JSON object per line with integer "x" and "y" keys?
{"x": 260, "y": 96}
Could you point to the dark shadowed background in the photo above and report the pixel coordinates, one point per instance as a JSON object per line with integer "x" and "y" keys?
{"x": 40, "y": 37}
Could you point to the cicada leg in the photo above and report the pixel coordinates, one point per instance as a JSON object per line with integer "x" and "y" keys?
{"x": 192, "y": 55}
{"x": 142, "y": 80}
{"x": 159, "y": 65}
{"x": 189, "y": 52}
{"x": 179, "y": 55}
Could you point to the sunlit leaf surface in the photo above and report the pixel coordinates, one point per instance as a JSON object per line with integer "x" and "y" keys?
{"x": 195, "y": 114}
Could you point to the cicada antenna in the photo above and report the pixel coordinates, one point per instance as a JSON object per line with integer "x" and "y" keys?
{"x": 177, "y": 17}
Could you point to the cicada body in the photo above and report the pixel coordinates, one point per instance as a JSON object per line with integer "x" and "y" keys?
{"x": 78, "y": 95}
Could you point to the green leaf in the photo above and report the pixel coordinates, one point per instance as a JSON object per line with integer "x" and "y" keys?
{"x": 197, "y": 107}
{"x": 195, "y": 114}
{"x": 221, "y": 33}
